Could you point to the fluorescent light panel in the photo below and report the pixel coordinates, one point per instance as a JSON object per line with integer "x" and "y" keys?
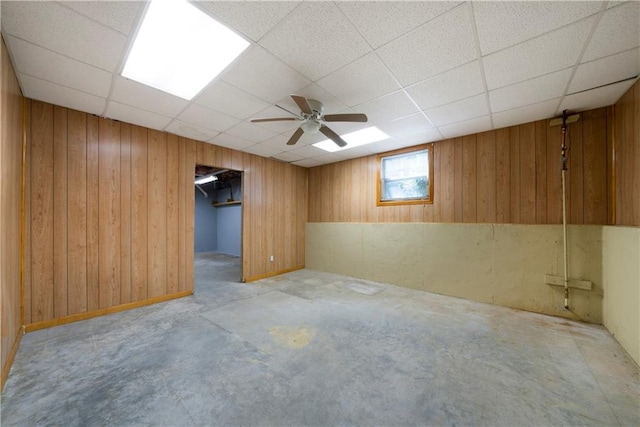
{"x": 205, "y": 179}
{"x": 179, "y": 49}
{"x": 354, "y": 139}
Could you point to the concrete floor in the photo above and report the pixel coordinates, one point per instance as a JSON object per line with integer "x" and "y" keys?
{"x": 310, "y": 348}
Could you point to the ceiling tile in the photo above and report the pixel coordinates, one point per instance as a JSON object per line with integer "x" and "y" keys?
{"x": 543, "y": 55}
{"x": 595, "y": 98}
{"x": 315, "y": 39}
{"x": 617, "y": 31}
{"x": 263, "y": 75}
{"x": 138, "y": 95}
{"x": 221, "y": 96}
{"x": 42, "y": 90}
{"x": 406, "y": 126}
{"x": 250, "y": 132}
{"x": 287, "y": 156}
{"x": 207, "y": 118}
{"x": 529, "y": 113}
{"x": 44, "y": 64}
{"x": 262, "y": 150}
{"x": 53, "y": 26}
{"x": 531, "y": 91}
{"x": 453, "y": 85}
{"x": 387, "y": 107}
{"x": 279, "y": 142}
{"x": 119, "y": 15}
{"x": 251, "y": 18}
{"x": 228, "y": 141}
{"x": 607, "y": 70}
{"x": 360, "y": 81}
{"x": 432, "y": 48}
{"x": 459, "y": 111}
{"x": 505, "y": 23}
{"x": 330, "y": 157}
{"x": 398, "y": 17}
{"x": 129, "y": 114}
{"x": 479, "y": 124}
{"x": 308, "y": 163}
{"x": 307, "y": 151}
{"x": 190, "y": 131}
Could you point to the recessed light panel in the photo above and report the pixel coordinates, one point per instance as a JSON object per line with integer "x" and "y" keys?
{"x": 179, "y": 49}
{"x": 354, "y": 139}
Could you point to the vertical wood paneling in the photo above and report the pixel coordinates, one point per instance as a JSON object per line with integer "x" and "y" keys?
{"x": 503, "y": 176}
{"x": 27, "y": 285}
{"x": 93, "y": 182}
{"x": 41, "y": 169}
{"x": 528, "y": 173}
{"x": 595, "y": 176}
{"x": 11, "y": 209}
{"x": 486, "y": 172}
{"x": 469, "y": 178}
{"x": 541, "y": 172}
{"x": 514, "y": 174}
{"x": 626, "y": 140}
{"x": 446, "y": 196}
{"x": 157, "y": 213}
{"x": 109, "y": 213}
{"x": 116, "y": 209}
{"x": 575, "y": 204}
{"x": 125, "y": 212}
{"x": 509, "y": 175}
{"x": 553, "y": 165}
{"x": 139, "y": 213}
{"x": 458, "y": 180}
{"x": 77, "y": 211}
{"x": 60, "y": 202}
{"x": 173, "y": 179}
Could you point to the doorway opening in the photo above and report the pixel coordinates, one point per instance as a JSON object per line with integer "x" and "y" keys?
{"x": 217, "y": 226}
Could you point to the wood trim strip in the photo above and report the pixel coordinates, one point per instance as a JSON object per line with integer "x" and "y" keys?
{"x": 274, "y": 273}
{"x": 103, "y": 311}
{"x": 7, "y": 366}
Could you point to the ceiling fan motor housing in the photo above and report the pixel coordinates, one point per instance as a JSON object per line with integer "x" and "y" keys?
{"x": 317, "y": 108}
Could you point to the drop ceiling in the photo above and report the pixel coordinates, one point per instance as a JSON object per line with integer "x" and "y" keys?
{"x": 421, "y": 71}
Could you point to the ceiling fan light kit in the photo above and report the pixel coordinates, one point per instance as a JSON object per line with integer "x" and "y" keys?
{"x": 312, "y": 115}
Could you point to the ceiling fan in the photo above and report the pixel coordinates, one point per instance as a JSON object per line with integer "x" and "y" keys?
{"x": 312, "y": 115}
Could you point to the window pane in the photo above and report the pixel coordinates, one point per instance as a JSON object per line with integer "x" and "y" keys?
{"x": 406, "y": 165}
{"x": 405, "y": 176}
{"x": 412, "y": 188}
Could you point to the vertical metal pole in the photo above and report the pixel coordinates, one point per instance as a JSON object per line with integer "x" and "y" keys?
{"x": 564, "y": 211}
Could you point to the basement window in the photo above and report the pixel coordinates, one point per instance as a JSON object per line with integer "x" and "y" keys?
{"x": 405, "y": 176}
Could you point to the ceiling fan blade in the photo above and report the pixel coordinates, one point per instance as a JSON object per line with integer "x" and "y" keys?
{"x": 302, "y": 103}
{"x": 356, "y": 117}
{"x": 333, "y": 136}
{"x": 295, "y": 137}
{"x": 274, "y": 119}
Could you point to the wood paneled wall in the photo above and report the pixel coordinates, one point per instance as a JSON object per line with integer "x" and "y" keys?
{"x": 510, "y": 175}
{"x": 110, "y": 214}
{"x": 626, "y": 136}
{"x": 274, "y": 209}
{"x": 11, "y": 143}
